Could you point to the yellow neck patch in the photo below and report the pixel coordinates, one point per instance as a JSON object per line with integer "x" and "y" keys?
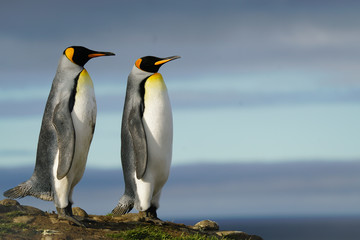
{"x": 154, "y": 87}
{"x": 155, "y": 81}
{"x": 84, "y": 80}
{"x": 69, "y": 53}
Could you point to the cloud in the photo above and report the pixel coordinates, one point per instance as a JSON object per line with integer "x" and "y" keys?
{"x": 223, "y": 38}
{"x": 231, "y": 36}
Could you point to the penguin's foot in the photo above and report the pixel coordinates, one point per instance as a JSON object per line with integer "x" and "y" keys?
{"x": 73, "y": 220}
{"x": 150, "y": 215}
{"x": 68, "y": 209}
{"x": 66, "y": 214}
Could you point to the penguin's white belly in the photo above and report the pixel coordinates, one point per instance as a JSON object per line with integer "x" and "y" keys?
{"x": 158, "y": 126}
{"x": 157, "y": 120}
{"x": 83, "y": 118}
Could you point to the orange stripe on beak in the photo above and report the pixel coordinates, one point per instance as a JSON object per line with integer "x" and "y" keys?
{"x": 92, "y": 55}
{"x": 162, "y": 61}
{"x": 166, "y": 60}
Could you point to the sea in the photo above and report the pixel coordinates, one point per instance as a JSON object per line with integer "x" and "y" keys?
{"x": 292, "y": 228}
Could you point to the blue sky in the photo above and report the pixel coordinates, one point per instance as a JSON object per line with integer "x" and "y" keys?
{"x": 258, "y": 80}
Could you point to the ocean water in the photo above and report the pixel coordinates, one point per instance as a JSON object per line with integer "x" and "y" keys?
{"x": 293, "y": 228}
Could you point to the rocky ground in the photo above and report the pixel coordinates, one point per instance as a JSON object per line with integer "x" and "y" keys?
{"x": 26, "y": 222}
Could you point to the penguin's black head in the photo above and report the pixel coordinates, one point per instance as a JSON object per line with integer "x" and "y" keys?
{"x": 152, "y": 64}
{"x": 81, "y": 55}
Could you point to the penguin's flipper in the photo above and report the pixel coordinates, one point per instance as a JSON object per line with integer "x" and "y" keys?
{"x": 66, "y": 137}
{"x": 138, "y": 136}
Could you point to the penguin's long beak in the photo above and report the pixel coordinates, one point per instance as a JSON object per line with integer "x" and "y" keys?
{"x": 100, "y": 54}
{"x": 165, "y": 60}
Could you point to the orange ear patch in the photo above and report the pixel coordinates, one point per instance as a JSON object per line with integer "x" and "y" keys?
{"x": 138, "y": 62}
{"x": 69, "y": 53}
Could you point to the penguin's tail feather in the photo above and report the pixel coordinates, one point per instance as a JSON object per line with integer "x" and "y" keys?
{"x": 20, "y": 191}
{"x": 125, "y": 205}
{"x": 26, "y": 189}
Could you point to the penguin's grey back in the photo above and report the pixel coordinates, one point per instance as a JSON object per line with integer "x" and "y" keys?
{"x": 132, "y": 106}
{"x": 40, "y": 183}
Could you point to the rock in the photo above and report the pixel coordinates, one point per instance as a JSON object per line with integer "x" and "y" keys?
{"x": 238, "y": 235}
{"x": 9, "y": 205}
{"x": 31, "y": 210}
{"x": 23, "y": 219}
{"x": 129, "y": 217}
{"x": 97, "y": 218}
{"x": 233, "y": 235}
{"x": 79, "y": 212}
{"x": 54, "y": 220}
{"x": 9, "y": 208}
{"x": 255, "y": 237}
{"x": 3, "y": 209}
{"x": 50, "y": 232}
{"x": 206, "y": 225}
{"x": 9, "y": 202}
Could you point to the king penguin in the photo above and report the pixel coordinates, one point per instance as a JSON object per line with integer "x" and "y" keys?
{"x": 146, "y": 137}
{"x": 66, "y": 132}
